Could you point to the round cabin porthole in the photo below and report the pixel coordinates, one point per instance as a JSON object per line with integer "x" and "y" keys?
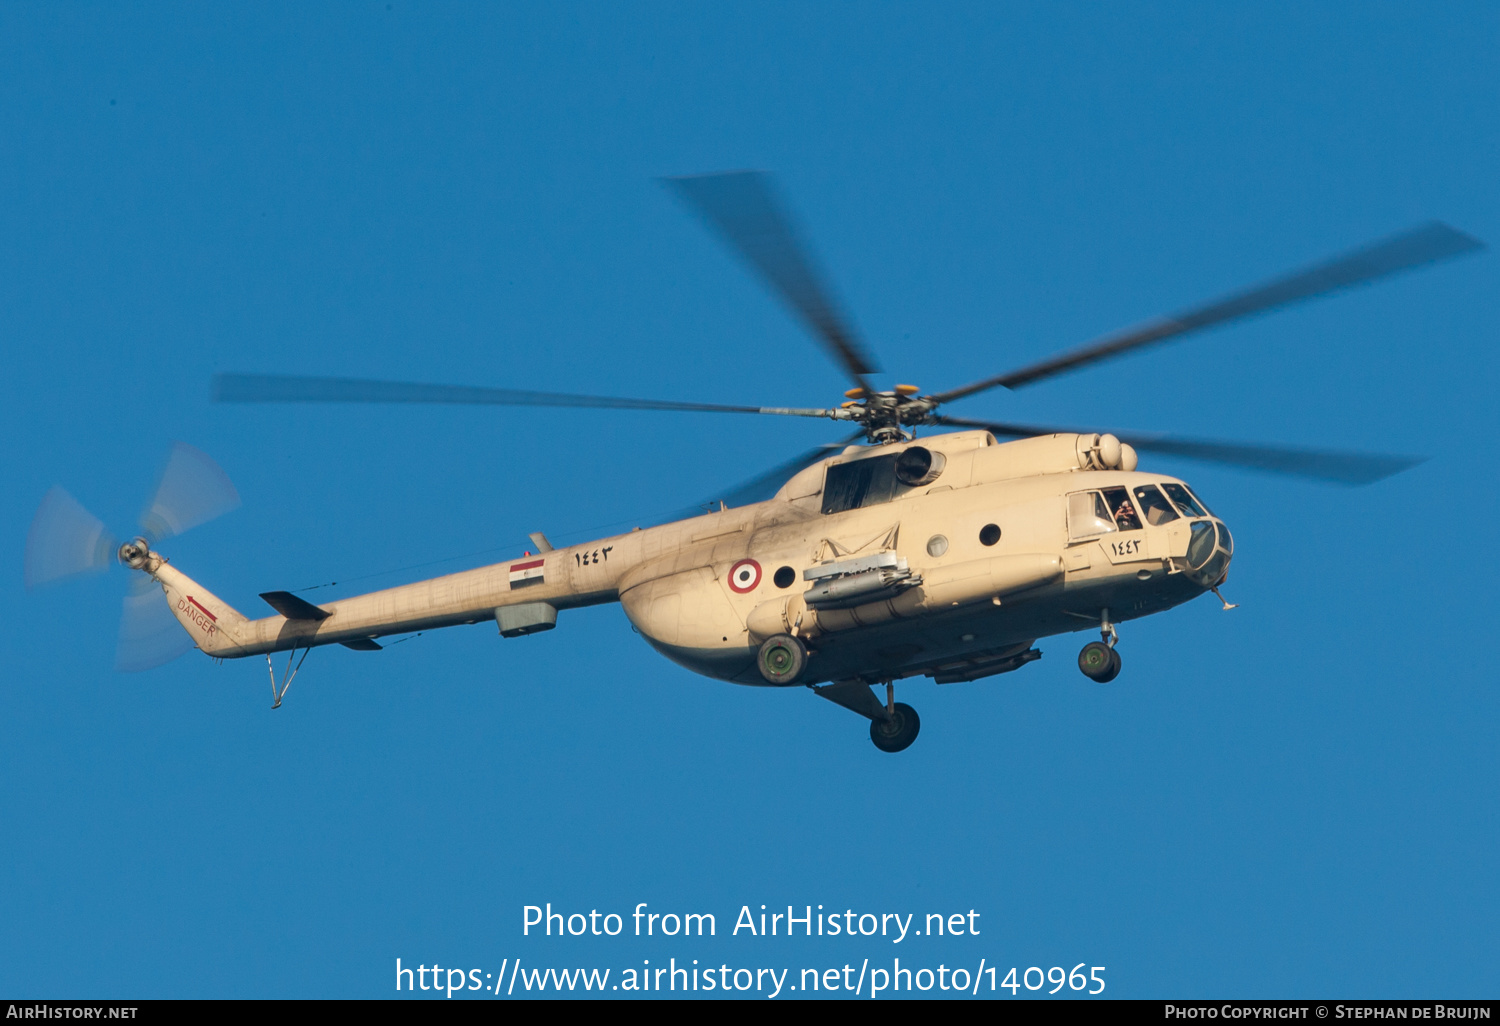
{"x": 784, "y": 577}
{"x": 937, "y": 545}
{"x": 989, "y": 534}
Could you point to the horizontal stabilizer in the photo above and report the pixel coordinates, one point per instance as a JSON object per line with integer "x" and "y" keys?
{"x": 293, "y": 608}
{"x": 362, "y": 645}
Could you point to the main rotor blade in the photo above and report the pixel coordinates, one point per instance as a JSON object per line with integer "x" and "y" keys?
{"x": 193, "y": 490}
{"x": 1347, "y": 468}
{"x": 765, "y": 485}
{"x": 65, "y": 540}
{"x": 279, "y": 388}
{"x": 149, "y": 634}
{"x": 742, "y": 207}
{"x": 1423, "y": 245}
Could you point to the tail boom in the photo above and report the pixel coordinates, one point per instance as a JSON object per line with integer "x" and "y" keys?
{"x": 468, "y": 597}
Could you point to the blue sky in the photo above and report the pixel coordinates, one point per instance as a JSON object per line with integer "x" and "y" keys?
{"x": 1294, "y": 798}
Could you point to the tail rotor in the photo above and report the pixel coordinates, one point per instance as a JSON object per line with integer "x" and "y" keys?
{"x": 67, "y": 541}
{"x": 193, "y": 490}
{"x": 150, "y": 635}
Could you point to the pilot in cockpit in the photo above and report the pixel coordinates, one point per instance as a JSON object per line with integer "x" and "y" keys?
{"x": 1125, "y": 515}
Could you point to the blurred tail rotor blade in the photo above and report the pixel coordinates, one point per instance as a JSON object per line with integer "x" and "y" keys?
{"x": 65, "y": 540}
{"x": 193, "y": 490}
{"x": 150, "y": 635}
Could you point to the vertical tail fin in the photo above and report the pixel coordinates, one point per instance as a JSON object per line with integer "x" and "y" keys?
{"x": 210, "y": 621}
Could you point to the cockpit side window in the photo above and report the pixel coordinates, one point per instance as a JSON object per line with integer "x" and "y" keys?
{"x": 860, "y": 483}
{"x": 1184, "y": 501}
{"x": 1088, "y": 516}
{"x": 1117, "y": 500}
{"x": 1155, "y": 505}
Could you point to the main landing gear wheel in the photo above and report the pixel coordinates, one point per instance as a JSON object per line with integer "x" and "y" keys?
{"x": 782, "y": 659}
{"x": 898, "y": 731}
{"x": 1099, "y": 662}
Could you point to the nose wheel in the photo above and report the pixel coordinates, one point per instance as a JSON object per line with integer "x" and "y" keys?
{"x": 1099, "y": 661}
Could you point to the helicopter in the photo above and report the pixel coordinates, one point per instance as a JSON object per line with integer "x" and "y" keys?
{"x": 866, "y": 561}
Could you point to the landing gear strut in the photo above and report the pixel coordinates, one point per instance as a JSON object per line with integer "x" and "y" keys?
{"x": 893, "y": 725}
{"x": 898, "y": 730}
{"x": 1099, "y": 661}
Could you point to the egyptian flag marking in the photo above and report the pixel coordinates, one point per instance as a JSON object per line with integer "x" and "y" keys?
{"x": 522, "y": 574}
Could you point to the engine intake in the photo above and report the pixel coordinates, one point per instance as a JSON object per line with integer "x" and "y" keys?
{"x": 919, "y": 465}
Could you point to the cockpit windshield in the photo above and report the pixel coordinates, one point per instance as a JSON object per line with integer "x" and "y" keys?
{"x": 1184, "y": 501}
{"x": 1154, "y": 505}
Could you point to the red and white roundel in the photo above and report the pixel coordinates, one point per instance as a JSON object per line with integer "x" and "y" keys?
{"x": 744, "y": 576}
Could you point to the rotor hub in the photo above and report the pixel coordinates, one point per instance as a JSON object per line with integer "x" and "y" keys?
{"x": 886, "y": 416}
{"x": 135, "y": 553}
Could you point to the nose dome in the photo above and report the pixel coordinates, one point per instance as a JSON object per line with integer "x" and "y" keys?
{"x": 1209, "y": 550}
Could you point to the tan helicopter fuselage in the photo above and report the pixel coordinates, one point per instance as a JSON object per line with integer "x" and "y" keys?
{"x": 953, "y": 577}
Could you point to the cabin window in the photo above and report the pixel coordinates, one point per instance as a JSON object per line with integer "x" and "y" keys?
{"x": 1118, "y": 502}
{"x": 1088, "y": 516}
{"x": 860, "y": 483}
{"x": 1154, "y": 505}
{"x": 1184, "y": 501}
